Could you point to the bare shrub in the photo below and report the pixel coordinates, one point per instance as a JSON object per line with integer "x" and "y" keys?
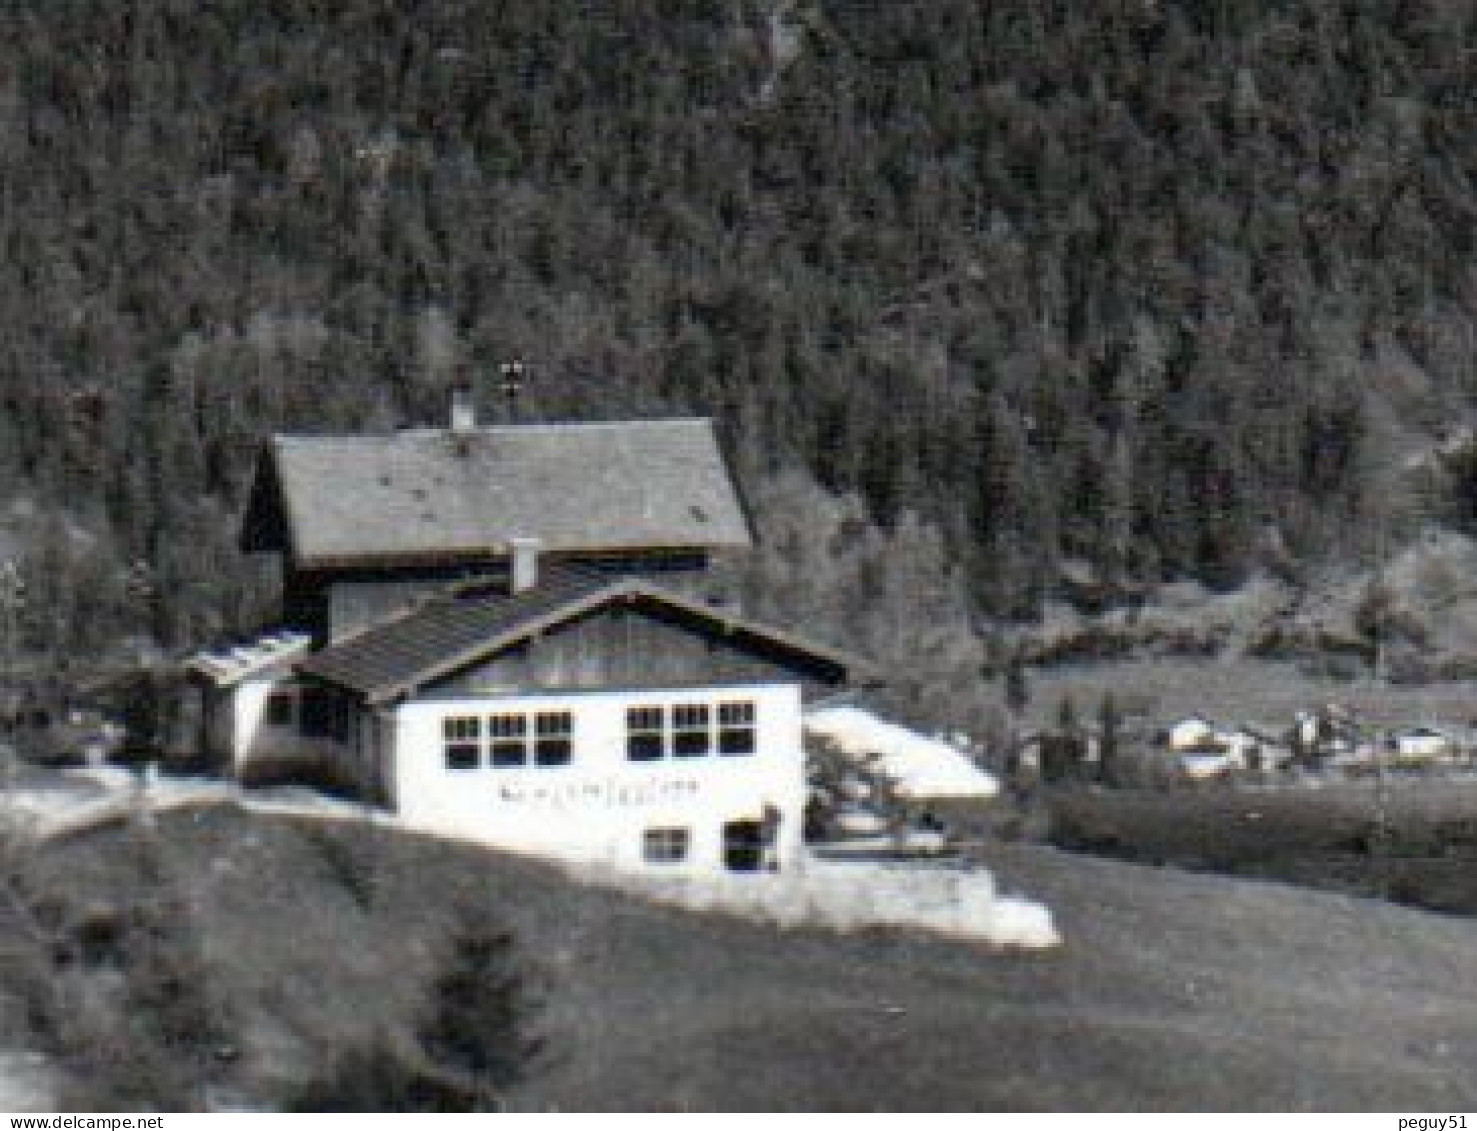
{"x": 839, "y": 779}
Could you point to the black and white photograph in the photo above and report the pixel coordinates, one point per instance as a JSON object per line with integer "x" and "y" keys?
{"x": 690, "y": 556}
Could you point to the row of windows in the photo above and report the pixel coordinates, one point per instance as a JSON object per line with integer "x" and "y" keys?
{"x": 747, "y": 846}
{"x": 686, "y": 730}
{"x": 507, "y": 742}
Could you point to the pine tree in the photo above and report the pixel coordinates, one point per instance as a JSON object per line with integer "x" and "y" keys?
{"x": 476, "y": 1024}
{"x": 1110, "y": 723}
{"x": 1017, "y": 689}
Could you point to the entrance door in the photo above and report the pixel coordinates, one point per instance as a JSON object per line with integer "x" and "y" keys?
{"x": 743, "y": 846}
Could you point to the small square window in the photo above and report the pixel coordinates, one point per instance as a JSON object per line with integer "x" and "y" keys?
{"x": 645, "y": 747}
{"x": 690, "y": 715}
{"x": 509, "y": 740}
{"x": 462, "y": 741}
{"x": 736, "y": 733}
{"x": 463, "y": 756}
{"x": 691, "y": 737}
{"x": 461, "y": 727}
{"x": 665, "y": 846}
{"x": 507, "y": 726}
{"x": 506, "y": 753}
{"x": 281, "y": 709}
{"x": 736, "y": 714}
{"x": 554, "y": 738}
{"x": 646, "y": 738}
{"x": 323, "y": 713}
{"x": 645, "y": 718}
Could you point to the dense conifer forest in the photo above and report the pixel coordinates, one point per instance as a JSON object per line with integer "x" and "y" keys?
{"x": 1159, "y": 288}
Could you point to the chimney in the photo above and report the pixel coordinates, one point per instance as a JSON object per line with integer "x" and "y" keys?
{"x": 524, "y": 572}
{"x": 463, "y": 410}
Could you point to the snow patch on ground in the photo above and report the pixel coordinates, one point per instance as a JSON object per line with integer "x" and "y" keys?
{"x": 26, "y": 1082}
{"x": 841, "y": 895}
{"x": 98, "y": 795}
{"x": 1204, "y": 767}
{"x": 850, "y": 896}
{"x": 921, "y": 766}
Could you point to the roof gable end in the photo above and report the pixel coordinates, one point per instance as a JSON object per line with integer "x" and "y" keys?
{"x": 422, "y": 647}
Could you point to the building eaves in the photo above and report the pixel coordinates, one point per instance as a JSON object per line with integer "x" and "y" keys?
{"x": 417, "y": 494}
{"x": 398, "y": 657}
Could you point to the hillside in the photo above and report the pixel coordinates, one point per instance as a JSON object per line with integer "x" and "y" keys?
{"x": 1168, "y": 289}
{"x": 1171, "y": 992}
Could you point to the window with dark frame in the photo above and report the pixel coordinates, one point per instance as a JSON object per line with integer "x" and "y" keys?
{"x": 743, "y": 846}
{"x": 282, "y": 709}
{"x": 508, "y": 744}
{"x": 665, "y": 846}
{"x": 553, "y": 738}
{"x": 736, "y": 733}
{"x": 691, "y": 734}
{"x": 646, "y": 738}
{"x": 322, "y": 713}
{"x": 462, "y": 736}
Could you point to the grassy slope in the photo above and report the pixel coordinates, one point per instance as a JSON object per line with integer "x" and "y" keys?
{"x": 1173, "y": 991}
{"x": 1321, "y": 837}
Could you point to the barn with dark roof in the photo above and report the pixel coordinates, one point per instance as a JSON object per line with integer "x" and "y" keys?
{"x": 524, "y": 634}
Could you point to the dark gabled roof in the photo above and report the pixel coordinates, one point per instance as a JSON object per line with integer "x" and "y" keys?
{"x": 430, "y": 494}
{"x": 477, "y": 622}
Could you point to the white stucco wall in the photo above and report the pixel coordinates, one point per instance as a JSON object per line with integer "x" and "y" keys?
{"x": 241, "y": 735}
{"x": 599, "y": 806}
{"x": 252, "y": 736}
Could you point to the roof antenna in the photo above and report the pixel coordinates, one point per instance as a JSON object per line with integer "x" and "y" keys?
{"x": 513, "y": 374}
